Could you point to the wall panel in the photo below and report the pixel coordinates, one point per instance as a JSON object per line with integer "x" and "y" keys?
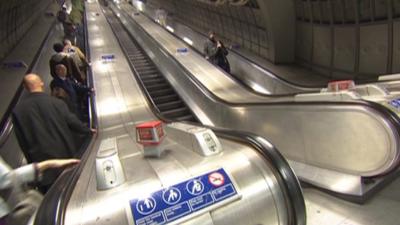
{"x": 396, "y": 48}
{"x": 304, "y": 41}
{"x": 322, "y": 45}
{"x": 345, "y": 48}
{"x": 397, "y": 8}
{"x": 373, "y": 49}
{"x": 381, "y": 9}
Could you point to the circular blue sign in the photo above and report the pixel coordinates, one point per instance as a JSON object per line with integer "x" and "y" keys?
{"x": 195, "y": 187}
{"x": 171, "y": 195}
{"x": 146, "y": 206}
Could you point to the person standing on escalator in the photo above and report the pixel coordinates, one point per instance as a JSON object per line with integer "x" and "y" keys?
{"x": 210, "y": 48}
{"x": 45, "y": 128}
{"x": 215, "y": 52}
{"x": 220, "y": 57}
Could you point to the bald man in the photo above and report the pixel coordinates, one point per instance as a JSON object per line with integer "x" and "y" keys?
{"x": 44, "y": 126}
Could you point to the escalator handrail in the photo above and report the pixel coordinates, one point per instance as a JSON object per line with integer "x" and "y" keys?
{"x": 93, "y": 122}
{"x": 389, "y": 116}
{"x": 288, "y": 179}
{"x": 53, "y": 207}
{"x": 6, "y": 121}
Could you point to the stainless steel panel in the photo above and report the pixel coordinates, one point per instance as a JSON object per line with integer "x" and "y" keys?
{"x": 344, "y": 49}
{"x": 322, "y": 48}
{"x": 373, "y": 49}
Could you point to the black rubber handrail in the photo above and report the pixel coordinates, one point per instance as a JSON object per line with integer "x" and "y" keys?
{"x": 6, "y": 122}
{"x": 53, "y": 207}
{"x": 287, "y": 179}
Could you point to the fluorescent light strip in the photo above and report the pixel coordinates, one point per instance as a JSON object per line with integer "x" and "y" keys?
{"x": 187, "y": 40}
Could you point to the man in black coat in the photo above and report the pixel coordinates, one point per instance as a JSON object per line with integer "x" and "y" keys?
{"x": 75, "y": 92}
{"x": 44, "y": 126}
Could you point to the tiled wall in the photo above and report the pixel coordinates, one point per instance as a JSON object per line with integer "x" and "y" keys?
{"x": 240, "y": 26}
{"x": 349, "y": 38}
{"x": 16, "y": 17}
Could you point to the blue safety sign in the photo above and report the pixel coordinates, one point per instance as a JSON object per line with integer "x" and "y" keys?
{"x": 181, "y": 50}
{"x": 108, "y": 57}
{"x": 182, "y": 199}
{"x": 395, "y": 103}
{"x": 14, "y": 65}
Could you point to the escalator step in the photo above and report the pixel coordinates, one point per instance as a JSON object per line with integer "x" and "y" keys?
{"x": 138, "y": 58}
{"x": 157, "y": 86}
{"x": 152, "y": 78}
{"x": 165, "y": 99}
{"x": 146, "y": 72}
{"x": 141, "y": 67}
{"x": 143, "y": 64}
{"x": 183, "y": 111}
{"x": 163, "y": 92}
{"x": 187, "y": 118}
{"x": 170, "y": 105}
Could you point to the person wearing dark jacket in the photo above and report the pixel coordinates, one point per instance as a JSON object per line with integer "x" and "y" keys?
{"x": 74, "y": 91}
{"x": 210, "y": 48}
{"x": 220, "y": 57}
{"x": 44, "y": 126}
{"x": 61, "y": 57}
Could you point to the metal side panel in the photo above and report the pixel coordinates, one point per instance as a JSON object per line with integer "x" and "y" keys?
{"x": 260, "y": 202}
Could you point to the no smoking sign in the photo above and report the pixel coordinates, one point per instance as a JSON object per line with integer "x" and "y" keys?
{"x": 216, "y": 179}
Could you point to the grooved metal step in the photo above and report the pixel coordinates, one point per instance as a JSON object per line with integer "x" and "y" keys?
{"x": 170, "y": 105}
{"x": 152, "y": 78}
{"x": 166, "y": 99}
{"x": 178, "y": 112}
{"x": 160, "y": 91}
{"x": 157, "y": 86}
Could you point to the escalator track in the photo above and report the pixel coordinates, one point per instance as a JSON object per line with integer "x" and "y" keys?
{"x": 157, "y": 89}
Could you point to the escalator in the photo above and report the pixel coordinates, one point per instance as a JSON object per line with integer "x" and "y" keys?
{"x": 267, "y": 191}
{"x": 160, "y": 92}
{"x": 327, "y": 137}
